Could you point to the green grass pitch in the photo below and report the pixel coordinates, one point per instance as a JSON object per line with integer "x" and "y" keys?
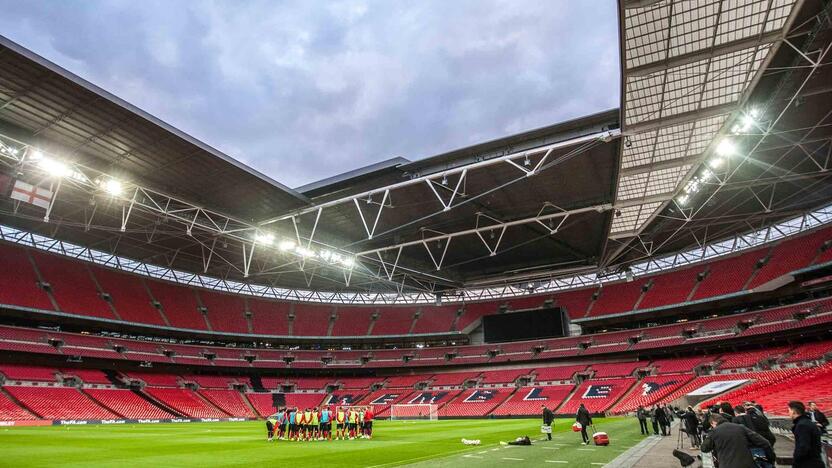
{"x": 395, "y": 443}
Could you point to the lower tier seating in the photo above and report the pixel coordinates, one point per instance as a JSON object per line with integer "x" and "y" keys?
{"x": 185, "y": 401}
{"x": 596, "y": 395}
{"x": 59, "y": 403}
{"x": 127, "y": 404}
{"x": 527, "y": 401}
{"x": 475, "y": 402}
{"x": 230, "y": 401}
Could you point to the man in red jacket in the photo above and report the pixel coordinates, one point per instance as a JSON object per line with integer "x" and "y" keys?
{"x": 368, "y": 422}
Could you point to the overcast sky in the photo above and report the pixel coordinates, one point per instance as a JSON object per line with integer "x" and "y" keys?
{"x": 310, "y": 89}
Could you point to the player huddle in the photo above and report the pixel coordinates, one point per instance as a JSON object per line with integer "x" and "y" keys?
{"x": 316, "y": 423}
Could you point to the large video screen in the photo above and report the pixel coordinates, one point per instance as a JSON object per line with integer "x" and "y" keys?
{"x": 529, "y": 325}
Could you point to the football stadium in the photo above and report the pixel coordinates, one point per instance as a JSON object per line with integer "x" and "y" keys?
{"x": 622, "y": 289}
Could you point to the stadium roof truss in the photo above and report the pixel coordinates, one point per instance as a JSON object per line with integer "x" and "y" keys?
{"x": 562, "y": 206}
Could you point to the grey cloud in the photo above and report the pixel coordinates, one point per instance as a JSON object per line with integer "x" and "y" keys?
{"x": 305, "y": 90}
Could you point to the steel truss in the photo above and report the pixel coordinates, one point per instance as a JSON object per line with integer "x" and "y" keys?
{"x": 706, "y": 250}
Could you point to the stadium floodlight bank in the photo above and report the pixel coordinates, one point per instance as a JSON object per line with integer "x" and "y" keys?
{"x": 414, "y": 412}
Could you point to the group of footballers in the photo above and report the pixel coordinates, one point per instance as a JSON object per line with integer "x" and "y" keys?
{"x": 316, "y": 423}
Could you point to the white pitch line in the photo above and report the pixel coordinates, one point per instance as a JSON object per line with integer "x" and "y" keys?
{"x": 600, "y": 464}
{"x": 556, "y": 461}
{"x": 587, "y": 450}
{"x": 471, "y": 456}
{"x": 515, "y": 459}
{"x": 551, "y": 448}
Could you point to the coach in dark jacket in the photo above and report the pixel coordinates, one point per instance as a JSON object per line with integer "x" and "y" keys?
{"x": 732, "y": 443}
{"x": 807, "y": 447}
{"x": 818, "y": 417}
{"x": 585, "y": 419}
{"x": 548, "y": 419}
{"x": 759, "y": 423}
{"x": 661, "y": 418}
{"x": 642, "y": 415}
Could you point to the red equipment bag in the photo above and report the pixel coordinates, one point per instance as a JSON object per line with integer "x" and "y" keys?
{"x": 601, "y": 438}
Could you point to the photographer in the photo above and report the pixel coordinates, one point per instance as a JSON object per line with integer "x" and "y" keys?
{"x": 732, "y": 444}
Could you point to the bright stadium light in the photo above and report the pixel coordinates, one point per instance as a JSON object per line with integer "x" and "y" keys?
{"x": 682, "y": 200}
{"x": 716, "y": 163}
{"x": 264, "y": 238}
{"x": 304, "y": 252}
{"x": 348, "y": 262}
{"x": 53, "y": 167}
{"x": 286, "y": 245}
{"x": 112, "y": 186}
{"x": 726, "y": 148}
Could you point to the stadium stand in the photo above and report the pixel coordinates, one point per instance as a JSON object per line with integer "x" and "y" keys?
{"x": 526, "y": 401}
{"x": 225, "y": 313}
{"x": 231, "y": 402}
{"x": 650, "y": 390}
{"x": 269, "y": 318}
{"x": 475, "y": 402}
{"x": 669, "y": 288}
{"x": 727, "y": 276}
{"x": 616, "y": 298}
{"x": 59, "y": 403}
{"x": 126, "y": 403}
{"x": 353, "y": 321}
{"x": 548, "y": 374}
{"x": 185, "y": 401}
{"x": 29, "y": 373}
{"x": 10, "y": 411}
{"x": 435, "y": 320}
{"x": 503, "y": 376}
{"x": 129, "y": 296}
{"x": 596, "y": 395}
{"x": 616, "y": 369}
{"x": 311, "y": 320}
{"x": 72, "y": 286}
{"x": 394, "y": 321}
{"x": 178, "y": 305}
{"x": 21, "y": 288}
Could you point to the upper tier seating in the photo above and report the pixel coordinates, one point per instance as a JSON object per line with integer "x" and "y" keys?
{"x": 596, "y": 395}
{"x": 728, "y": 275}
{"x": 72, "y": 286}
{"x": 475, "y": 402}
{"x": 750, "y": 358}
{"x": 394, "y": 321}
{"x": 406, "y": 381}
{"x": 672, "y": 287}
{"x": 59, "y": 403}
{"x": 129, "y": 296}
{"x": 353, "y": 321}
{"x": 185, "y": 401}
{"x": 269, "y": 318}
{"x": 127, "y": 404}
{"x": 178, "y": 305}
{"x": 810, "y": 352}
{"x": 453, "y": 378}
{"x": 680, "y": 365}
{"x": 526, "y": 401}
{"x": 21, "y": 288}
{"x": 790, "y": 255}
{"x": 616, "y": 298}
{"x": 435, "y": 319}
{"x": 311, "y": 320}
{"x": 226, "y": 312}
{"x": 230, "y": 401}
{"x": 155, "y": 379}
{"x": 213, "y": 381}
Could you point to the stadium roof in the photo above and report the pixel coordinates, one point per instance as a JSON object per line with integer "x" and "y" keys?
{"x": 587, "y": 195}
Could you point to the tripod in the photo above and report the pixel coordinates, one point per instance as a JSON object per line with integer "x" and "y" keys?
{"x": 680, "y": 441}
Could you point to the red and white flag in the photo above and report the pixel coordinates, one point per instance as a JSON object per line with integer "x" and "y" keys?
{"x": 31, "y": 194}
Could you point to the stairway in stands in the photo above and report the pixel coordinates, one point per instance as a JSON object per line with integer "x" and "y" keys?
{"x": 157, "y": 404}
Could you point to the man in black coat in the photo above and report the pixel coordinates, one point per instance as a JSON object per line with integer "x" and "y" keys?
{"x": 548, "y": 419}
{"x": 585, "y": 419}
{"x": 807, "y": 449}
{"x": 642, "y": 415}
{"x": 818, "y": 417}
{"x": 661, "y": 418}
{"x": 759, "y": 422}
{"x": 691, "y": 425}
{"x": 732, "y": 443}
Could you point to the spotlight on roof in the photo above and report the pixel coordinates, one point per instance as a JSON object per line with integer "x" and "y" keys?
{"x": 264, "y": 238}
{"x": 112, "y": 186}
{"x": 304, "y": 252}
{"x": 286, "y": 245}
{"x": 726, "y": 148}
{"x": 53, "y": 167}
{"x": 682, "y": 200}
{"x": 716, "y": 163}
{"x": 348, "y": 262}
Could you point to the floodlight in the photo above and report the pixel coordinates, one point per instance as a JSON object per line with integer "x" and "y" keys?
{"x": 716, "y": 163}
{"x": 264, "y": 238}
{"x": 53, "y": 167}
{"x": 113, "y": 187}
{"x": 304, "y": 252}
{"x": 682, "y": 200}
{"x": 706, "y": 174}
{"x": 35, "y": 155}
{"x": 348, "y": 262}
{"x": 286, "y": 245}
{"x": 726, "y": 147}
{"x": 326, "y": 255}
